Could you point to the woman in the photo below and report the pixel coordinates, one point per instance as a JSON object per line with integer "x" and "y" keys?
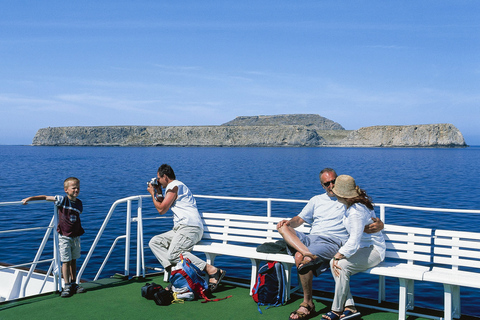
{"x": 361, "y": 251}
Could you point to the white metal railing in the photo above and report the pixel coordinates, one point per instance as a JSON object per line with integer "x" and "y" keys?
{"x": 126, "y": 236}
{"x": 138, "y": 218}
{"x": 140, "y": 257}
{"x": 54, "y": 262}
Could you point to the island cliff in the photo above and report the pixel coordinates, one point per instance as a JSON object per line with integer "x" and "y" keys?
{"x": 260, "y": 131}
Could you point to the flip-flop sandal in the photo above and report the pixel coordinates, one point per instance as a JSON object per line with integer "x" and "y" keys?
{"x": 331, "y": 315}
{"x": 218, "y": 276}
{"x": 302, "y": 315}
{"x": 349, "y": 314}
{"x": 313, "y": 264}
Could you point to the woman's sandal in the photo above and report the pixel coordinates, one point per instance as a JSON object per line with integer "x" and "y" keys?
{"x": 218, "y": 276}
{"x": 331, "y": 316}
{"x": 305, "y": 266}
{"x": 302, "y": 315}
{"x": 350, "y": 314}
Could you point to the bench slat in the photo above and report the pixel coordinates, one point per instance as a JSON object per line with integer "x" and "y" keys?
{"x": 241, "y": 217}
{"x": 457, "y": 243}
{"x": 393, "y": 246}
{"x": 228, "y": 238}
{"x": 240, "y": 224}
{"x": 246, "y": 232}
{"x": 458, "y": 234}
{"x": 408, "y": 256}
{"x": 408, "y": 238}
{"x": 453, "y": 261}
{"x": 458, "y": 253}
{"x": 453, "y": 277}
{"x": 396, "y": 228}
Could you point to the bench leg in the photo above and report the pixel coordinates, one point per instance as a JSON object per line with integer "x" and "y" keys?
{"x": 288, "y": 278}
{"x": 381, "y": 289}
{"x": 253, "y": 277}
{"x": 405, "y": 297}
{"x": 452, "y": 302}
{"x": 210, "y": 258}
{"x": 410, "y": 295}
{"x": 166, "y": 276}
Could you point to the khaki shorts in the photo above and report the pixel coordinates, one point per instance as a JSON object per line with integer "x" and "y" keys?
{"x": 69, "y": 248}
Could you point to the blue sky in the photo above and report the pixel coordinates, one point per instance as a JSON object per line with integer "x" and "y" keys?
{"x": 176, "y": 63}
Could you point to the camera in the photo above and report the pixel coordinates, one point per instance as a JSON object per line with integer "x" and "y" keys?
{"x": 153, "y": 182}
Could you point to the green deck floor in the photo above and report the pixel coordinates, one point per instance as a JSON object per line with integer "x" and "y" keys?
{"x": 119, "y": 299}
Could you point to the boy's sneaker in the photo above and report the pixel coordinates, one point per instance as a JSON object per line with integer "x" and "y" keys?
{"x": 75, "y": 288}
{"x": 66, "y": 292}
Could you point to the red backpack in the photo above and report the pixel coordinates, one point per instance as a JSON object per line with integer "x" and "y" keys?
{"x": 188, "y": 275}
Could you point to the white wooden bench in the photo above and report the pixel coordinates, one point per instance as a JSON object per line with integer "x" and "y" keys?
{"x": 407, "y": 258}
{"x": 239, "y": 236}
{"x": 456, "y": 263}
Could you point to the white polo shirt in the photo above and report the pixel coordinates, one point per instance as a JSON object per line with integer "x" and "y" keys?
{"x": 325, "y": 214}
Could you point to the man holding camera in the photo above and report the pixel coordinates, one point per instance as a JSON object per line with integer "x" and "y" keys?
{"x": 187, "y": 224}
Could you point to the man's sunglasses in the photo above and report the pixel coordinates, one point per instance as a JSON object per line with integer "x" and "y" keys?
{"x": 326, "y": 184}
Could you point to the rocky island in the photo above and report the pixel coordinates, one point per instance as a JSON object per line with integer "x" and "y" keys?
{"x": 296, "y": 130}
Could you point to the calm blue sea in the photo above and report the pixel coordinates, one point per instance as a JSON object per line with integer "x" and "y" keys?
{"x": 445, "y": 178}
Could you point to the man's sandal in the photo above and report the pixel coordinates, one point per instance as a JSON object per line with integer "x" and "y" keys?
{"x": 302, "y": 315}
{"x": 305, "y": 267}
{"x": 218, "y": 276}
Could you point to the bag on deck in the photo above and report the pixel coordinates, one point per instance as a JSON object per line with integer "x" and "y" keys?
{"x": 270, "y": 287}
{"x": 164, "y": 297}
{"x": 149, "y": 289}
{"x": 187, "y": 275}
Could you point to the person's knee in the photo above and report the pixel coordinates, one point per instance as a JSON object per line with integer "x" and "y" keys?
{"x": 151, "y": 242}
{"x": 283, "y": 229}
{"x": 156, "y": 241}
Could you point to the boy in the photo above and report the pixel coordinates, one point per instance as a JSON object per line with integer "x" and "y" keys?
{"x": 69, "y": 231}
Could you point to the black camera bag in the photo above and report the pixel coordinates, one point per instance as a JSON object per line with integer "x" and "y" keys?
{"x": 149, "y": 290}
{"x": 163, "y": 297}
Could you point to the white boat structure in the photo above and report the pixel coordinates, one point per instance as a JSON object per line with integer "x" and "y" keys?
{"x": 23, "y": 280}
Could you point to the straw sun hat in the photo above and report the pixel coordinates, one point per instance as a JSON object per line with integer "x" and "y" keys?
{"x": 345, "y": 187}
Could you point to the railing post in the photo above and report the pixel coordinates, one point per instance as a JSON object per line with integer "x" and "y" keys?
{"x": 382, "y": 212}
{"x": 57, "y": 271}
{"x": 128, "y": 232}
{"x": 140, "y": 253}
{"x": 269, "y": 208}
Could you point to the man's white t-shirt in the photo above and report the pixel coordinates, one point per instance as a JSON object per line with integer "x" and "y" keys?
{"x": 184, "y": 208}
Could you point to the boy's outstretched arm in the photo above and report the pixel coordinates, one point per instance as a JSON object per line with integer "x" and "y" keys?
{"x": 34, "y": 198}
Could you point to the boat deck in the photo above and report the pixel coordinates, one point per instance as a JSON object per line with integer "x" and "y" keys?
{"x": 115, "y": 298}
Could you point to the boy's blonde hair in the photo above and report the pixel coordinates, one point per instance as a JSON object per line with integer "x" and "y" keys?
{"x": 65, "y": 183}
